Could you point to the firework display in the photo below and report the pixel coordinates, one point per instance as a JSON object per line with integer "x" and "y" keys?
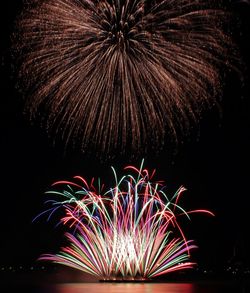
{"x": 119, "y": 73}
{"x": 129, "y": 232}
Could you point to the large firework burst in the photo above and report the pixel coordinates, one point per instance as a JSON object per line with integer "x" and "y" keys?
{"x": 129, "y": 232}
{"x": 119, "y": 73}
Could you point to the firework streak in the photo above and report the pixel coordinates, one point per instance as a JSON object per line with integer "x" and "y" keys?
{"x": 112, "y": 74}
{"x": 129, "y": 233}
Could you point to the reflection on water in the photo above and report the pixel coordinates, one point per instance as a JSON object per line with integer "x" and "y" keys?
{"x": 239, "y": 286}
{"x": 203, "y": 287}
{"x": 124, "y": 288}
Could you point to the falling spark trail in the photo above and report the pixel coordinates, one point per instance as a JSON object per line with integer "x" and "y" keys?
{"x": 120, "y": 74}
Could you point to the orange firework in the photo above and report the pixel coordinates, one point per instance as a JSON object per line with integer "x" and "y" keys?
{"x": 117, "y": 74}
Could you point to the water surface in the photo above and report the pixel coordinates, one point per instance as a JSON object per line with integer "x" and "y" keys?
{"x": 202, "y": 287}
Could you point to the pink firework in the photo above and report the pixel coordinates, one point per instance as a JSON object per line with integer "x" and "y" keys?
{"x": 129, "y": 232}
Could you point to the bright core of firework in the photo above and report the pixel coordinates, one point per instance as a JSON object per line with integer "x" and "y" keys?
{"x": 130, "y": 232}
{"x": 117, "y": 74}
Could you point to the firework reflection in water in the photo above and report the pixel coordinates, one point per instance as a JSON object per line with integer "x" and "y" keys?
{"x": 131, "y": 232}
{"x": 113, "y": 74}
{"x": 125, "y": 288}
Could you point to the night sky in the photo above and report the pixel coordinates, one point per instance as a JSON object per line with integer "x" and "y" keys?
{"x": 212, "y": 162}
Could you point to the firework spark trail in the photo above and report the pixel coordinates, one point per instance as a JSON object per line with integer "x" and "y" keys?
{"x": 129, "y": 232}
{"x": 120, "y": 73}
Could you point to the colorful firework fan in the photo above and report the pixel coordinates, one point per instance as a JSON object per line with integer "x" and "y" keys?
{"x": 129, "y": 233}
{"x": 118, "y": 74}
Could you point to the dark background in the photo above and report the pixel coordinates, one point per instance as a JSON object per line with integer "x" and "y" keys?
{"x": 212, "y": 162}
